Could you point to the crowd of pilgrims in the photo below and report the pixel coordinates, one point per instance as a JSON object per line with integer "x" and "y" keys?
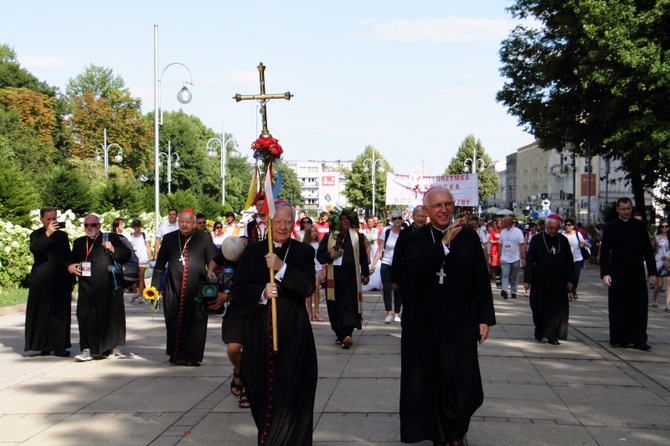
{"x": 187, "y": 248}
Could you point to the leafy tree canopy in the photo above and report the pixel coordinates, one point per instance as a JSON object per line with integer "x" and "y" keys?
{"x": 358, "y": 189}
{"x": 594, "y": 72}
{"x": 463, "y": 163}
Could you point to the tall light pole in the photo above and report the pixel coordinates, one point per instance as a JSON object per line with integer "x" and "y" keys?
{"x": 105, "y": 150}
{"x": 168, "y": 157}
{"x": 184, "y": 96}
{"x": 212, "y": 153}
{"x": 476, "y": 163}
{"x": 372, "y": 162}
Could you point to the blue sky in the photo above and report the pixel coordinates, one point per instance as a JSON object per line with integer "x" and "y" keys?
{"x": 412, "y": 79}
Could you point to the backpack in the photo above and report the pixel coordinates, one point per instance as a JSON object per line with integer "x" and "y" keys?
{"x": 125, "y": 273}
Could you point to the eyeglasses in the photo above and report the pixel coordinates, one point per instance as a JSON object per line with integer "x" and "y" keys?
{"x": 305, "y": 221}
{"x": 569, "y": 224}
{"x": 665, "y": 226}
{"x": 91, "y": 225}
{"x": 218, "y": 227}
{"x": 396, "y": 218}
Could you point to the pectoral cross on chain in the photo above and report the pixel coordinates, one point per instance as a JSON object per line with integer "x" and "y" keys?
{"x": 182, "y": 260}
{"x": 441, "y": 274}
{"x": 263, "y": 98}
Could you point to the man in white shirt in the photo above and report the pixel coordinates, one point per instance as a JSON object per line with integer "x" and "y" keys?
{"x": 513, "y": 254}
{"x": 166, "y": 227}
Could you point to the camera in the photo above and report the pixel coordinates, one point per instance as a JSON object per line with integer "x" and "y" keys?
{"x": 61, "y": 225}
{"x": 208, "y": 291}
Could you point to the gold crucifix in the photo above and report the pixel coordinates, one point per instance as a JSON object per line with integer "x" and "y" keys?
{"x": 263, "y": 98}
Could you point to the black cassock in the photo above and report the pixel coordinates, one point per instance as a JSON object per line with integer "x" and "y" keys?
{"x": 101, "y": 313}
{"x": 48, "y": 312}
{"x": 624, "y": 247}
{"x": 185, "y": 318}
{"x": 445, "y": 326}
{"x": 549, "y": 268}
{"x": 280, "y": 386}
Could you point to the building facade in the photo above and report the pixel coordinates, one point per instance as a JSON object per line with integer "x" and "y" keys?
{"x": 321, "y": 183}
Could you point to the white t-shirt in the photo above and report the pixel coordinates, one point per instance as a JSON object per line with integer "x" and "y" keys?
{"x": 389, "y": 246}
{"x": 510, "y": 243}
{"x": 317, "y": 264}
{"x": 166, "y": 228}
{"x": 574, "y": 245}
{"x": 140, "y": 248}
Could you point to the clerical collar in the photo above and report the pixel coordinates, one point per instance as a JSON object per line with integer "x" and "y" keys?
{"x": 441, "y": 230}
{"x": 279, "y": 245}
{"x": 625, "y": 220}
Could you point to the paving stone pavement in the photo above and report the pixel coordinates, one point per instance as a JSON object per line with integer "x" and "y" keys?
{"x": 583, "y": 392}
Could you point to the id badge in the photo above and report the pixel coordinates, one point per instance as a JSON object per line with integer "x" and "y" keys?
{"x": 86, "y": 269}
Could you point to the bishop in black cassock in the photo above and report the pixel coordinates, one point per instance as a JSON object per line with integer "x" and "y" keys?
{"x": 454, "y": 307}
{"x": 186, "y": 253}
{"x": 281, "y": 386}
{"x": 549, "y": 274}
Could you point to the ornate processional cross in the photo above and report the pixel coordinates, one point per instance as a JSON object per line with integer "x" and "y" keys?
{"x": 263, "y": 98}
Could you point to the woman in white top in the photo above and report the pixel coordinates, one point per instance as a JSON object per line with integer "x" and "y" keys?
{"x": 312, "y": 238}
{"x": 385, "y": 253}
{"x": 142, "y": 249}
{"x": 219, "y": 235}
{"x": 662, "y": 254}
{"x": 371, "y": 234}
{"x": 576, "y": 243}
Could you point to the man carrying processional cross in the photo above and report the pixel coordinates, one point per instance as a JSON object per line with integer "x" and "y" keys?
{"x": 453, "y": 308}
{"x": 273, "y": 279}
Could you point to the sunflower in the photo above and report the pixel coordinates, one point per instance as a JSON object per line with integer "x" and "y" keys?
{"x": 150, "y": 294}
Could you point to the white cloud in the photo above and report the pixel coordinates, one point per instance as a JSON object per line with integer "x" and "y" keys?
{"x": 429, "y": 30}
{"x": 42, "y": 62}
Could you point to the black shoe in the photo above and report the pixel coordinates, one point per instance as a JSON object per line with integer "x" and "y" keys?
{"x": 553, "y": 342}
{"x": 503, "y": 294}
{"x": 338, "y": 341}
{"x": 644, "y": 347}
{"x": 625, "y": 345}
{"x": 513, "y": 296}
{"x": 538, "y": 337}
{"x": 45, "y": 353}
{"x": 62, "y": 353}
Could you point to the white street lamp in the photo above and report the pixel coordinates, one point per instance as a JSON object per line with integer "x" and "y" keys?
{"x": 372, "y": 164}
{"x": 168, "y": 157}
{"x": 474, "y": 162}
{"x": 213, "y": 153}
{"x": 105, "y": 150}
{"x": 184, "y": 96}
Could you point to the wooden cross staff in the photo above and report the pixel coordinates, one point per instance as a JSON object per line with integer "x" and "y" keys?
{"x": 263, "y": 98}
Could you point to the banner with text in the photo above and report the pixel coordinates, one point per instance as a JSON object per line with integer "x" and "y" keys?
{"x": 409, "y": 189}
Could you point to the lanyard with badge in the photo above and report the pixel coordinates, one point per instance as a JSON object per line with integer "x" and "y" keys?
{"x": 86, "y": 265}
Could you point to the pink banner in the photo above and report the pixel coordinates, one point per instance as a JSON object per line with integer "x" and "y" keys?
{"x": 409, "y": 189}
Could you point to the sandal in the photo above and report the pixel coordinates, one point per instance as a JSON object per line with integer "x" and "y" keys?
{"x": 243, "y": 403}
{"x": 236, "y": 389}
{"x": 318, "y": 318}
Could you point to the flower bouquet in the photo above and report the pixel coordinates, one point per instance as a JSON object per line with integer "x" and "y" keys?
{"x": 266, "y": 148}
{"x": 152, "y": 295}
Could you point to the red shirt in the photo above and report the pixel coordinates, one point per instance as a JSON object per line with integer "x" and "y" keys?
{"x": 323, "y": 229}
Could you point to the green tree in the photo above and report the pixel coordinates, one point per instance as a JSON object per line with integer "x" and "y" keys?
{"x": 179, "y": 200}
{"x": 119, "y": 195}
{"x": 291, "y": 190}
{"x": 98, "y": 100}
{"x": 12, "y": 75}
{"x": 66, "y": 189}
{"x": 595, "y": 73}
{"x": 17, "y": 194}
{"x": 462, "y": 163}
{"x": 358, "y": 189}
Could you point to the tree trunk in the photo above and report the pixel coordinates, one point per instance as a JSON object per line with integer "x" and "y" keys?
{"x": 638, "y": 191}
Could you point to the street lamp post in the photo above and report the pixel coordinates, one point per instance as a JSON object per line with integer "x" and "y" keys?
{"x": 372, "y": 162}
{"x": 184, "y": 96}
{"x": 168, "y": 157}
{"x": 105, "y": 150}
{"x": 475, "y": 163}
{"x": 212, "y": 153}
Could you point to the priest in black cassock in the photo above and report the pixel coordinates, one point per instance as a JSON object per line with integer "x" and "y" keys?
{"x": 344, "y": 252}
{"x": 549, "y": 274}
{"x": 186, "y": 254}
{"x": 625, "y": 244}
{"x": 100, "y": 310}
{"x": 454, "y": 308}
{"x": 49, "y": 299}
{"x": 280, "y": 386}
